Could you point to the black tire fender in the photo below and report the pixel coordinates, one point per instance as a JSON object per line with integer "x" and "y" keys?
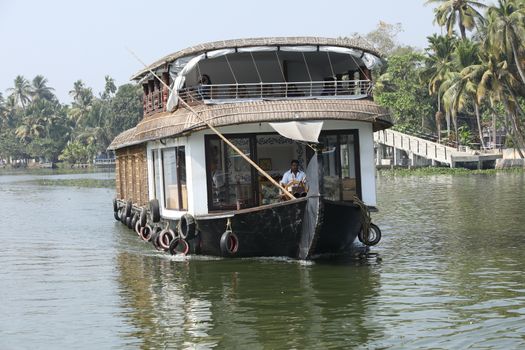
{"x": 138, "y": 228}
{"x": 115, "y": 204}
{"x": 187, "y": 226}
{"x": 129, "y": 205}
{"x": 128, "y": 222}
{"x": 229, "y": 243}
{"x": 143, "y": 217}
{"x": 122, "y": 215}
{"x": 155, "y": 210}
{"x": 373, "y": 237}
{"x": 145, "y": 233}
{"x": 179, "y": 246}
{"x": 134, "y": 221}
{"x": 166, "y": 237}
{"x": 116, "y": 214}
{"x": 154, "y": 239}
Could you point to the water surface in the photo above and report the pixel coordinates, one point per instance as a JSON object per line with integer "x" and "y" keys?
{"x": 447, "y": 274}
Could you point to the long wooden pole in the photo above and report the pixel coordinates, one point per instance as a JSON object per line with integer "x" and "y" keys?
{"x": 228, "y": 142}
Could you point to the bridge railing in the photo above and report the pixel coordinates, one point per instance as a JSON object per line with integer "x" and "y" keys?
{"x": 416, "y": 145}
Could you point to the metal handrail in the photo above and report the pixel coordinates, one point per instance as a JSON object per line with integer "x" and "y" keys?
{"x": 278, "y": 90}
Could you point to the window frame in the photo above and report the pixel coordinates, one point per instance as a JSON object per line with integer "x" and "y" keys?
{"x": 253, "y": 156}
{"x": 178, "y": 171}
{"x": 338, "y": 165}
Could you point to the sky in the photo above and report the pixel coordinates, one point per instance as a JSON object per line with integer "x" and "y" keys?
{"x": 67, "y": 40}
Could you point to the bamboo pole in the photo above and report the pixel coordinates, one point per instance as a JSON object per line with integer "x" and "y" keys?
{"x": 228, "y": 142}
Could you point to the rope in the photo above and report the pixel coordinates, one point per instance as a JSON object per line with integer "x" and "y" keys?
{"x": 231, "y": 69}
{"x": 306, "y": 65}
{"x": 279, "y": 64}
{"x": 358, "y": 66}
{"x": 330, "y": 62}
{"x": 256, "y": 69}
{"x": 229, "y": 225}
{"x": 365, "y": 218}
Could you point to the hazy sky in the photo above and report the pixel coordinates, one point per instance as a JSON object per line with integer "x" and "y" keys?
{"x": 70, "y": 40}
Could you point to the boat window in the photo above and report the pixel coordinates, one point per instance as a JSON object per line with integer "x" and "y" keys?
{"x": 341, "y": 165}
{"x": 332, "y": 178}
{"x": 274, "y": 153}
{"x": 174, "y": 176}
{"x": 230, "y": 177}
{"x": 156, "y": 173}
{"x": 348, "y": 166}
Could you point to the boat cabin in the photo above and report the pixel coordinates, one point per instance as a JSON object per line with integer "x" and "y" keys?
{"x": 251, "y": 90}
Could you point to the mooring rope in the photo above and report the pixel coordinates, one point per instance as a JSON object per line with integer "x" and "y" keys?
{"x": 366, "y": 220}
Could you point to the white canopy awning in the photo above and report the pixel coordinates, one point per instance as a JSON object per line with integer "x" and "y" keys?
{"x": 299, "y": 131}
{"x": 180, "y": 67}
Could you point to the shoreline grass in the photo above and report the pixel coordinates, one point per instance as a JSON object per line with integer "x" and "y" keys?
{"x": 58, "y": 171}
{"x": 88, "y": 183}
{"x": 431, "y": 171}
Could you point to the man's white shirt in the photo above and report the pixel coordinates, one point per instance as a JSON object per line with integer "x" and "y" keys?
{"x": 290, "y": 176}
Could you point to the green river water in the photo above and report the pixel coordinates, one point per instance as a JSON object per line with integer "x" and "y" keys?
{"x": 449, "y": 273}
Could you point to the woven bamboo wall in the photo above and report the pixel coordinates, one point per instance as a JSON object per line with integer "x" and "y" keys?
{"x": 131, "y": 174}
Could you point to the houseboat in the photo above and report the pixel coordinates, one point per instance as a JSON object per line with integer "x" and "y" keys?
{"x": 202, "y": 172}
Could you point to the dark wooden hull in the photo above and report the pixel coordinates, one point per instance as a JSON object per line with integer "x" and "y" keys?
{"x": 272, "y": 230}
{"x": 304, "y": 228}
{"x": 339, "y": 229}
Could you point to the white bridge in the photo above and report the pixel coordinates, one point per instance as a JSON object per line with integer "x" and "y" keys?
{"x": 395, "y": 148}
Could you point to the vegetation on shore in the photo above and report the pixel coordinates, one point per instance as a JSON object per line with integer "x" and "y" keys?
{"x": 34, "y": 124}
{"x": 430, "y": 171}
{"x": 91, "y": 183}
{"x": 458, "y": 86}
{"x": 461, "y": 84}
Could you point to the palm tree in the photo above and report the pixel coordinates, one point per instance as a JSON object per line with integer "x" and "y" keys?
{"x": 439, "y": 64}
{"x": 109, "y": 88}
{"x": 465, "y": 12}
{"x": 2, "y": 106}
{"x": 21, "y": 91}
{"x": 78, "y": 88}
{"x": 83, "y": 100}
{"x": 9, "y": 112}
{"x": 459, "y": 91}
{"x": 506, "y": 31}
{"x": 496, "y": 83}
{"x": 40, "y": 90}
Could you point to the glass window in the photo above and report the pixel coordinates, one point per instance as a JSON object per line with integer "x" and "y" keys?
{"x": 156, "y": 174}
{"x": 230, "y": 176}
{"x": 348, "y": 167}
{"x": 332, "y": 178}
{"x": 174, "y": 176}
{"x": 340, "y": 165}
{"x": 181, "y": 173}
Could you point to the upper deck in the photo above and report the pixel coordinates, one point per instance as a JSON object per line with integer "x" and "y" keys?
{"x": 260, "y": 69}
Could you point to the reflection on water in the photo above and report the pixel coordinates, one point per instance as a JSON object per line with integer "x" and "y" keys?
{"x": 448, "y": 274}
{"x": 246, "y": 303}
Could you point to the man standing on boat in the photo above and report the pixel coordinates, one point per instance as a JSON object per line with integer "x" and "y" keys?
{"x": 294, "y": 180}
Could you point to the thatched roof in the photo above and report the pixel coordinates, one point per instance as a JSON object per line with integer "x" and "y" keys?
{"x": 354, "y": 43}
{"x": 181, "y": 121}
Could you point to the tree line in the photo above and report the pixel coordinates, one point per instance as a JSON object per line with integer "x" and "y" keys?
{"x": 34, "y": 124}
{"x": 469, "y": 79}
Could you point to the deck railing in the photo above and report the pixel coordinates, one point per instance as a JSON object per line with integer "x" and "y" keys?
{"x": 346, "y": 89}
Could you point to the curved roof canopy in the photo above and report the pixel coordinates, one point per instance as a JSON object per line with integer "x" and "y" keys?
{"x": 278, "y": 42}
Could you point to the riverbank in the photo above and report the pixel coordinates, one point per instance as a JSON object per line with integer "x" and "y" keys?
{"x": 56, "y": 171}
{"x": 89, "y": 183}
{"x": 430, "y": 171}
